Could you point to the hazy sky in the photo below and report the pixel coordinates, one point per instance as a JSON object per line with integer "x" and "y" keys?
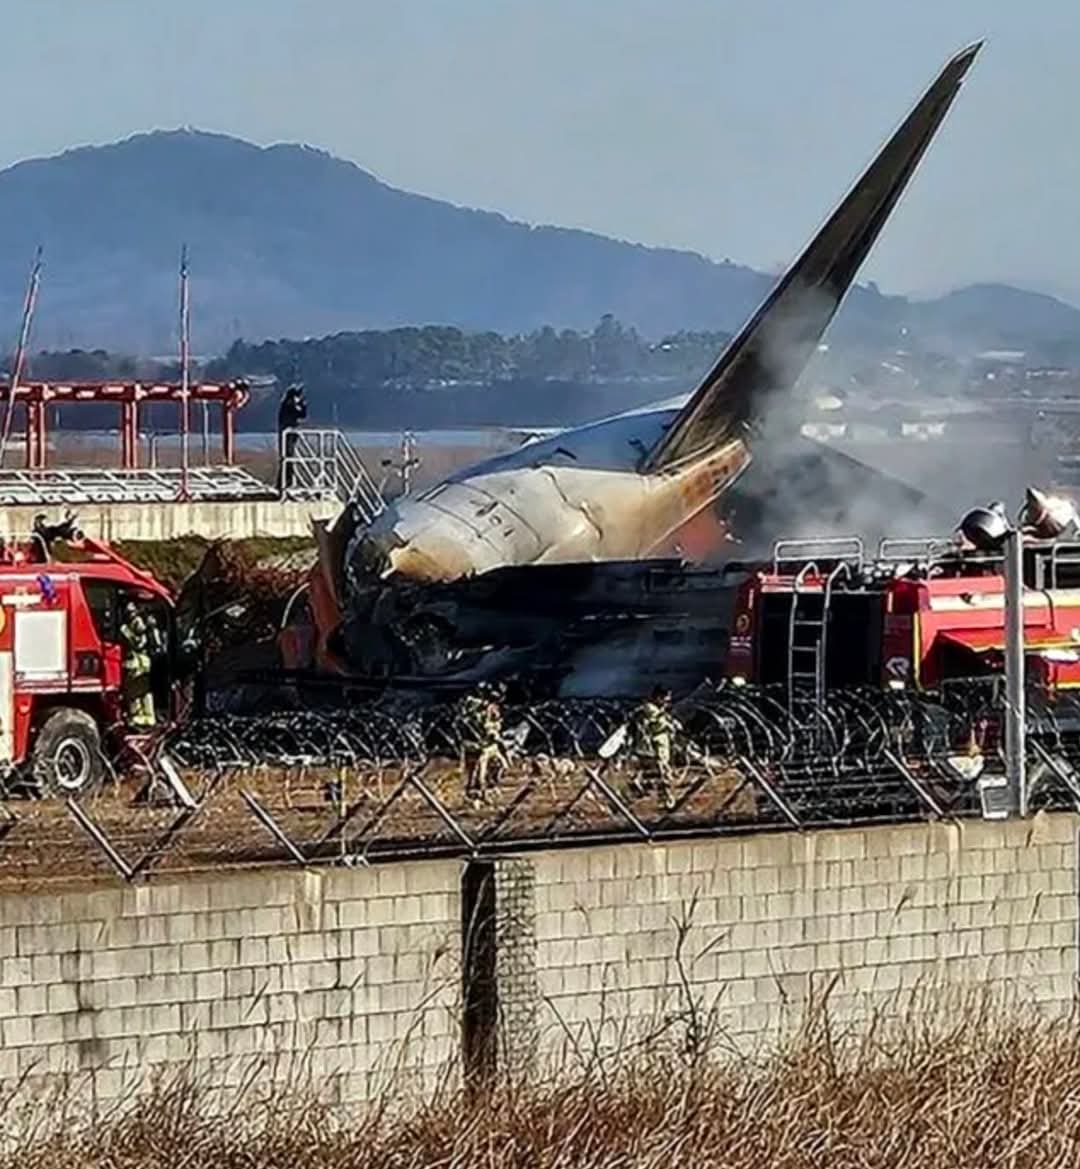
{"x": 729, "y": 128}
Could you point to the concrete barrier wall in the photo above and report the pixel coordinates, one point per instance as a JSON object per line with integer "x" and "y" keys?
{"x": 875, "y": 913}
{"x": 165, "y": 521}
{"x": 355, "y": 974}
{"x": 349, "y": 975}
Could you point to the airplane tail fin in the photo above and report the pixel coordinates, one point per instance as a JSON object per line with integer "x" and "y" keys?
{"x": 772, "y": 349}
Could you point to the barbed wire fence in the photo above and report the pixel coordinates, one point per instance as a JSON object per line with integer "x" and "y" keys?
{"x": 387, "y": 779}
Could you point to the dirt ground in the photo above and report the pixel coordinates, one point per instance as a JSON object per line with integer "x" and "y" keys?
{"x": 42, "y": 842}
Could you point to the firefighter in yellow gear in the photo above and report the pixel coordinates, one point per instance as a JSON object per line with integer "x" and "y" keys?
{"x": 138, "y": 634}
{"x": 656, "y": 729}
{"x": 483, "y": 718}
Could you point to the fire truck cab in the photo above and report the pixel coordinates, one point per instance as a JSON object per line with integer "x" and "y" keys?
{"x": 62, "y": 710}
{"x": 822, "y": 615}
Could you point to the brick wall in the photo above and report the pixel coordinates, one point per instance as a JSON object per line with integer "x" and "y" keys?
{"x": 343, "y": 975}
{"x": 878, "y": 912}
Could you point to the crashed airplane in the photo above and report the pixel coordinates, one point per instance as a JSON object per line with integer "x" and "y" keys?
{"x": 393, "y": 595}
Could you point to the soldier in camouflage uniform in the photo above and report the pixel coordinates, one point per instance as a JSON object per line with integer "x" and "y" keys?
{"x": 483, "y": 718}
{"x": 656, "y": 729}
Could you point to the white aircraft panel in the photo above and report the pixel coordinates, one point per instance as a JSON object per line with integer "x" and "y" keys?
{"x": 489, "y": 516}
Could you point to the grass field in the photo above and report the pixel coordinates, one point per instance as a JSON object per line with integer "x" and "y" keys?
{"x": 71, "y": 449}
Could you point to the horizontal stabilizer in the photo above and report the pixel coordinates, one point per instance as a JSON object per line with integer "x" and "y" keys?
{"x": 771, "y": 351}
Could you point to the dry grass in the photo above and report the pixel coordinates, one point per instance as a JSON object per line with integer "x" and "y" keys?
{"x": 437, "y": 460}
{"x": 982, "y": 1090}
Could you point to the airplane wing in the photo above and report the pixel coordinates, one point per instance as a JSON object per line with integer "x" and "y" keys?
{"x": 773, "y": 347}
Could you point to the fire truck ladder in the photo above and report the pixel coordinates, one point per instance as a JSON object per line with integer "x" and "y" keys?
{"x": 808, "y": 632}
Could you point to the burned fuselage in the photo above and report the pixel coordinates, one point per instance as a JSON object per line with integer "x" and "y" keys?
{"x": 620, "y": 489}
{"x": 565, "y": 629}
{"x": 577, "y": 496}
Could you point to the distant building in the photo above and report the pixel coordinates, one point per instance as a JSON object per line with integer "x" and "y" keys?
{"x": 994, "y": 364}
{"x": 823, "y": 431}
{"x": 923, "y": 431}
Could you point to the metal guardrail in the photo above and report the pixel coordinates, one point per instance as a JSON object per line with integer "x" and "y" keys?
{"x": 917, "y": 548}
{"x": 799, "y": 550}
{"x": 54, "y": 486}
{"x": 322, "y": 464}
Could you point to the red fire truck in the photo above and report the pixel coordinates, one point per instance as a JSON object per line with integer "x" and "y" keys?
{"x": 821, "y": 615}
{"x": 61, "y": 661}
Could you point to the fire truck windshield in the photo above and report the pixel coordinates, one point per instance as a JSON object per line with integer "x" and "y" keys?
{"x": 103, "y": 601}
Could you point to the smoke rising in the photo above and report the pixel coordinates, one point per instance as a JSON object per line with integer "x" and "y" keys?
{"x": 872, "y": 483}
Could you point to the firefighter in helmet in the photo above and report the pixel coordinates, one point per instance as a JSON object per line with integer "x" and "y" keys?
{"x": 656, "y": 728}
{"x": 139, "y": 635}
{"x": 483, "y": 721}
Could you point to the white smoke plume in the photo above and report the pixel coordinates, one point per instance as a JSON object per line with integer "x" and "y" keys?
{"x": 800, "y": 486}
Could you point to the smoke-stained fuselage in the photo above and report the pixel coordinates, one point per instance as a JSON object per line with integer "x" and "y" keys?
{"x": 577, "y": 495}
{"x": 620, "y": 488}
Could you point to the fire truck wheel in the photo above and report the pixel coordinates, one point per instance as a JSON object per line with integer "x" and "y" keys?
{"x": 66, "y": 758}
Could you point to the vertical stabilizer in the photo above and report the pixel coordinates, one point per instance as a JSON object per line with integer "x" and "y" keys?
{"x": 772, "y": 349}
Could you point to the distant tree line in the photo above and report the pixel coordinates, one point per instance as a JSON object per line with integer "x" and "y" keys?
{"x": 436, "y": 356}
{"x": 426, "y": 376}
{"x": 427, "y": 357}
{"x": 95, "y": 365}
{"x": 440, "y": 376}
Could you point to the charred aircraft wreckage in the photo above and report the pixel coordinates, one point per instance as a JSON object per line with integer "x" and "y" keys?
{"x": 565, "y": 561}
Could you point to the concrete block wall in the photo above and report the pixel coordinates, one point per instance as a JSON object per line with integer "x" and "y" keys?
{"x": 878, "y": 913}
{"x": 347, "y": 977}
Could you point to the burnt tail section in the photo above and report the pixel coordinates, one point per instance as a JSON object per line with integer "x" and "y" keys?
{"x": 774, "y": 346}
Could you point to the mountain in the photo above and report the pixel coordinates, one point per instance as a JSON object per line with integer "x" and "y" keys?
{"x": 999, "y": 316}
{"x": 288, "y": 241}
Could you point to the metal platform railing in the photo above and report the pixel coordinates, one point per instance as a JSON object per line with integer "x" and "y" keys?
{"x": 322, "y": 464}
{"x": 800, "y": 550}
{"x": 52, "y": 486}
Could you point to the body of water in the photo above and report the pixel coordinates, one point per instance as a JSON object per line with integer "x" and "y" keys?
{"x": 493, "y": 437}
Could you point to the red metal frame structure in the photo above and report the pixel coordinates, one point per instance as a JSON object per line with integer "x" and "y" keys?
{"x": 129, "y": 396}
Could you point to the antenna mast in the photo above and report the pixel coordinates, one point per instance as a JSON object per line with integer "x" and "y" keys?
{"x": 29, "y": 305}
{"x": 185, "y": 374}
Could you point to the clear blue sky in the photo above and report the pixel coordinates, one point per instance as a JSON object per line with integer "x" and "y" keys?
{"x": 729, "y": 128}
